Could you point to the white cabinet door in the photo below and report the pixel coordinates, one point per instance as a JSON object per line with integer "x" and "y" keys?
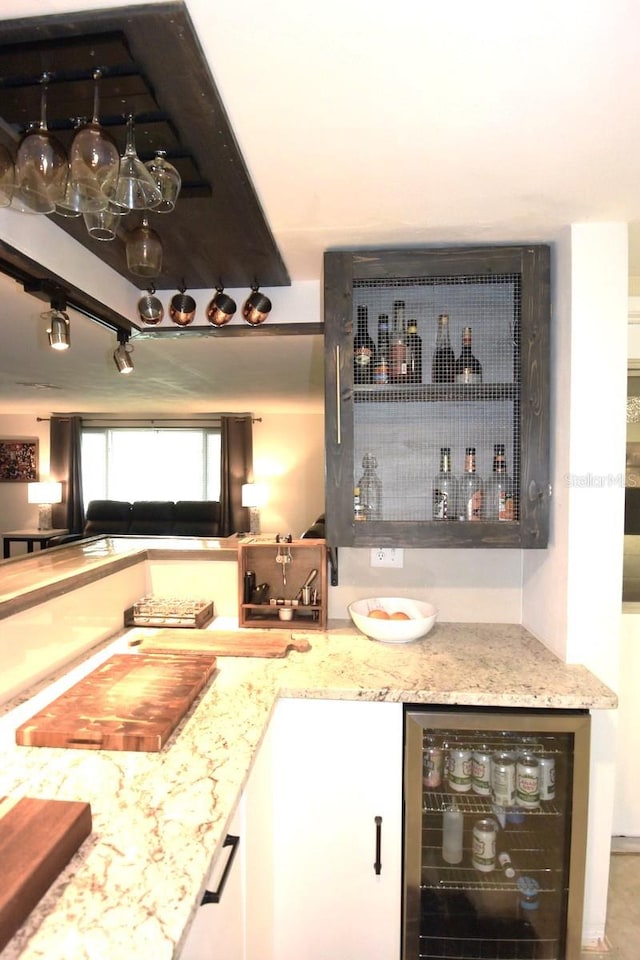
{"x": 217, "y": 933}
{"x": 337, "y": 767}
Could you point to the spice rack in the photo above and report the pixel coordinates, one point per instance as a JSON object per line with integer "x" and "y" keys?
{"x": 284, "y": 565}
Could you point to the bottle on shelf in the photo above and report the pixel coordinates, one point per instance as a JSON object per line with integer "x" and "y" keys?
{"x": 471, "y": 492}
{"x": 358, "y": 512}
{"x": 499, "y": 491}
{"x": 398, "y": 353}
{"x": 445, "y": 489}
{"x": 381, "y": 365}
{"x": 364, "y": 349}
{"x": 443, "y": 360}
{"x": 414, "y": 350}
{"x": 370, "y": 486}
{"x": 468, "y": 368}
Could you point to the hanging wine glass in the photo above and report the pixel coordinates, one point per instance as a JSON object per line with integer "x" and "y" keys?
{"x": 41, "y": 166}
{"x": 136, "y": 189}
{"x": 94, "y": 163}
{"x": 144, "y": 251}
{"x": 7, "y": 177}
{"x": 66, "y": 207}
{"x": 168, "y": 180}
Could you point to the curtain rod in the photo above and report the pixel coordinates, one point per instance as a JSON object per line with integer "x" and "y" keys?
{"x": 113, "y": 420}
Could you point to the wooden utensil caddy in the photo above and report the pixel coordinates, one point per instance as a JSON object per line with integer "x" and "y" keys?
{"x": 303, "y": 556}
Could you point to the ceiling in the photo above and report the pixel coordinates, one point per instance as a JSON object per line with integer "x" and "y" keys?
{"x": 378, "y": 124}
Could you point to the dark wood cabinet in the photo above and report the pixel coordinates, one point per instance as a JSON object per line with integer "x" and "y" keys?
{"x": 503, "y": 294}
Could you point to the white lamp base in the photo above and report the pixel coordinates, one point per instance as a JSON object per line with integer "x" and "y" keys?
{"x": 254, "y": 520}
{"x": 45, "y": 517}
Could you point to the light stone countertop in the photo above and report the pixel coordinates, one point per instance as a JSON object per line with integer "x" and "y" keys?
{"x": 159, "y": 819}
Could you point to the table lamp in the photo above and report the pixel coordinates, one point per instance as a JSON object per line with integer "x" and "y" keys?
{"x": 254, "y": 496}
{"x": 44, "y": 494}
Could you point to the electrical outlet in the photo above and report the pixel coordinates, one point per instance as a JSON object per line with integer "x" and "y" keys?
{"x": 391, "y": 557}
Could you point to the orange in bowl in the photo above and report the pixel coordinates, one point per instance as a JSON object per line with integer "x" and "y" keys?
{"x": 399, "y": 615}
{"x": 379, "y": 614}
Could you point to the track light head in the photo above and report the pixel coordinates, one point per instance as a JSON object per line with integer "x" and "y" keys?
{"x": 122, "y": 353}
{"x": 59, "y": 329}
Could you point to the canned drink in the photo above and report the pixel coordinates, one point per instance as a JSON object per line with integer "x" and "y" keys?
{"x": 527, "y": 782}
{"x": 503, "y": 779}
{"x": 481, "y": 771}
{"x": 459, "y": 769}
{"x": 432, "y": 763}
{"x": 483, "y": 855}
{"x": 547, "y": 777}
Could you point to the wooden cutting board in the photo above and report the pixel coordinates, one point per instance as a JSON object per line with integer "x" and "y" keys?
{"x": 133, "y": 701}
{"x": 37, "y": 840}
{"x": 224, "y": 643}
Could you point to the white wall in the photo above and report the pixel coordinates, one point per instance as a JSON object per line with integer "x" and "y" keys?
{"x": 288, "y": 456}
{"x": 572, "y": 597}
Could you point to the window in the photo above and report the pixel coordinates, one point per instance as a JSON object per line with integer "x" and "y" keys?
{"x": 120, "y": 463}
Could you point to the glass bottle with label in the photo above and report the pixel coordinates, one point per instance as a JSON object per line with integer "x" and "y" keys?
{"x": 370, "y": 486}
{"x": 398, "y": 354}
{"x": 499, "y": 492}
{"x": 443, "y": 360}
{"x": 414, "y": 350}
{"x": 358, "y": 512}
{"x": 364, "y": 350}
{"x": 381, "y": 365}
{"x": 445, "y": 489}
{"x": 468, "y": 368}
{"x": 471, "y": 492}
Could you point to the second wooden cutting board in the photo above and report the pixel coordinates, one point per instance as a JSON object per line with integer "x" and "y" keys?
{"x": 133, "y": 701}
{"x": 224, "y": 643}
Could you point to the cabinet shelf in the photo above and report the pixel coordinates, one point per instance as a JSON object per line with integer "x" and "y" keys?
{"x": 435, "y": 393}
{"x": 284, "y": 567}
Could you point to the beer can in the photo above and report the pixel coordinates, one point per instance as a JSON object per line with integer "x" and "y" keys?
{"x": 527, "y": 782}
{"x": 432, "y": 763}
{"x": 483, "y": 855}
{"x": 547, "y": 777}
{"x": 459, "y": 769}
{"x": 503, "y": 779}
{"x": 481, "y": 771}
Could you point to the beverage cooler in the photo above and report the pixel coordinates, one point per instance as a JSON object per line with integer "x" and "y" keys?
{"x": 495, "y": 833}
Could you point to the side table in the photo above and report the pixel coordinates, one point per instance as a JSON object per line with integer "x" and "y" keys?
{"x": 29, "y": 537}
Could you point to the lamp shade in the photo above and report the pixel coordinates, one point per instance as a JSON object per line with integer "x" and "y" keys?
{"x": 254, "y": 494}
{"x": 46, "y": 491}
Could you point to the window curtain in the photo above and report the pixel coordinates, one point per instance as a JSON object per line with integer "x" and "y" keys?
{"x": 236, "y": 466}
{"x": 65, "y": 444}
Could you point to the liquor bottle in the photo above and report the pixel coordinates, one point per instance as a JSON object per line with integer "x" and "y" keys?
{"x": 471, "y": 506}
{"x": 468, "y": 368}
{"x": 498, "y": 492}
{"x": 414, "y": 350}
{"x": 381, "y": 365}
{"x": 358, "y": 512}
{"x": 443, "y": 360}
{"x": 364, "y": 350}
{"x": 370, "y": 486}
{"x": 398, "y": 353}
{"x": 445, "y": 489}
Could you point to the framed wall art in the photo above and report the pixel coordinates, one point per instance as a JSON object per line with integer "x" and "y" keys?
{"x": 18, "y": 459}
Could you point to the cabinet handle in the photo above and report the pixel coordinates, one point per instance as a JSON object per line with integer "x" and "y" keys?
{"x": 378, "y": 864}
{"x": 213, "y": 896}
{"x": 338, "y": 392}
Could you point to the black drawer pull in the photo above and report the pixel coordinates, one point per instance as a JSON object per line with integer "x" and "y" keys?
{"x": 213, "y": 896}
{"x": 378, "y": 864}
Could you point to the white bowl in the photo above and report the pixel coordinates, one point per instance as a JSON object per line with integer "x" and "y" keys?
{"x": 423, "y": 616}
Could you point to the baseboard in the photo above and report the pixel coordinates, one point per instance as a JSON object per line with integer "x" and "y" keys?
{"x": 625, "y": 844}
